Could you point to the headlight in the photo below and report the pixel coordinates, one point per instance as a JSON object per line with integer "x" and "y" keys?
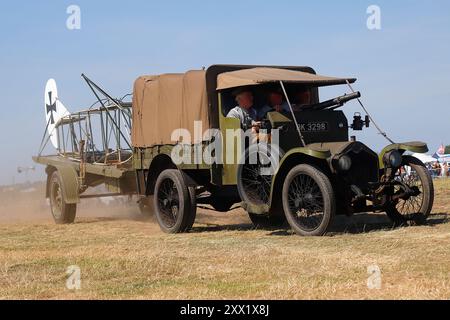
{"x": 344, "y": 163}
{"x": 393, "y": 159}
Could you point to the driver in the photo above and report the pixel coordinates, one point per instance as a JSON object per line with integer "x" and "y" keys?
{"x": 244, "y": 111}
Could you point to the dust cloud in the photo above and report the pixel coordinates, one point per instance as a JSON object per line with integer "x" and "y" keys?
{"x": 26, "y": 203}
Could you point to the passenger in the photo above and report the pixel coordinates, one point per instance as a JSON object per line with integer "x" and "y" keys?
{"x": 302, "y": 98}
{"x": 244, "y": 111}
{"x": 274, "y": 103}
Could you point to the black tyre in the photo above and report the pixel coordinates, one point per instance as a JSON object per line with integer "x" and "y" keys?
{"x": 266, "y": 221}
{"x": 63, "y": 213}
{"x": 416, "y": 209}
{"x": 172, "y": 202}
{"x": 308, "y": 200}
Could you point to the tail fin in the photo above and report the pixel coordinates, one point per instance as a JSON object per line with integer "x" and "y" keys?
{"x": 54, "y": 110}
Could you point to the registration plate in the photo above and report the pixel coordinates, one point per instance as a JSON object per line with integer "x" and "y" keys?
{"x": 314, "y": 126}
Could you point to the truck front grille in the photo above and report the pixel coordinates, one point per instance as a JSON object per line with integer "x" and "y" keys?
{"x": 364, "y": 167}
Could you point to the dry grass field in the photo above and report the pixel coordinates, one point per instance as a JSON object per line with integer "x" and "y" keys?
{"x": 122, "y": 257}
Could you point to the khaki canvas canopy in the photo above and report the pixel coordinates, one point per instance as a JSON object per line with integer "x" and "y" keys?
{"x": 164, "y": 103}
{"x": 255, "y": 76}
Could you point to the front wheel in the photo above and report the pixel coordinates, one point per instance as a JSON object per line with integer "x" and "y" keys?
{"x": 417, "y": 208}
{"x": 308, "y": 200}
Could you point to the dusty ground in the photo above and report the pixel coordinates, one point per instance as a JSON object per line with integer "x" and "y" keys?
{"x": 123, "y": 257}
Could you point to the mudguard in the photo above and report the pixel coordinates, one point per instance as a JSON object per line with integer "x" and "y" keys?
{"x": 69, "y": 180}
{"x": 414, "y": 146}
{"x": 312, "y": 151}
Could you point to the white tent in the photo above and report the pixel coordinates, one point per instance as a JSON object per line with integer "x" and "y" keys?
{"x": 425, "y": 158}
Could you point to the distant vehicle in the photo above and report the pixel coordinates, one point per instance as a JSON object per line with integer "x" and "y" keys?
{"x": 321, "y": 171}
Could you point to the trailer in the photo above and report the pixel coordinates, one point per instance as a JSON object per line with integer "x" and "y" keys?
{"x": 92, "y": 149}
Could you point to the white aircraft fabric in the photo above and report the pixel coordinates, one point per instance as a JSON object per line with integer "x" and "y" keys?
{"x": 54, "y": 110}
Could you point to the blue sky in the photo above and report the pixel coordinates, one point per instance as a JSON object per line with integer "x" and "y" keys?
{"x": 403, "y": 70}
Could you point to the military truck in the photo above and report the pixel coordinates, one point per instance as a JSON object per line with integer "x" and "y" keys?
{"x": 314, "y": 171}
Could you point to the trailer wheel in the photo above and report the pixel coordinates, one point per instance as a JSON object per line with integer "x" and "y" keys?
{"x": 63, "y": 213}
{"x": 173, "y": 207}
{"x": 308, "y": 200}
{"x": 416, "y": 209}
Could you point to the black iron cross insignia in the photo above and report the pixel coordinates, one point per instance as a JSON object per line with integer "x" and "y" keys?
{"x": 51, "y": 107}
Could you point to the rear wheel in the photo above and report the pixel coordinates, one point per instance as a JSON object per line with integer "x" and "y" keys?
{"x": 308, "y": 200}
{"x": 415, "y": 209}
{"x": 63, "y": 213}
{"x": 173, "y": 207}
